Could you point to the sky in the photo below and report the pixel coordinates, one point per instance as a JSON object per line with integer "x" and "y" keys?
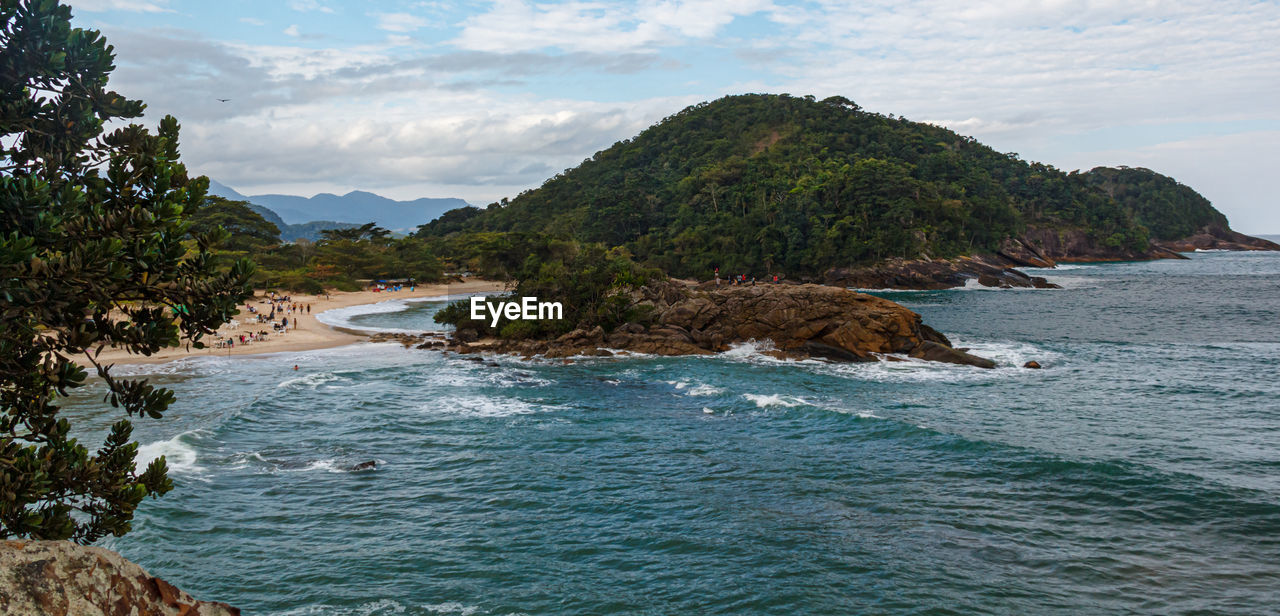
{"x": 481, "y": 100}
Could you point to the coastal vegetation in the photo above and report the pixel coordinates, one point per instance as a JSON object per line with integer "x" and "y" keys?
{"x": 342, "y": 258}
{"x": 781, "y": 184}
{"x": 96, "y": 250}
{"x": 1168, "y": 209}
{"x": 593, "y": 284}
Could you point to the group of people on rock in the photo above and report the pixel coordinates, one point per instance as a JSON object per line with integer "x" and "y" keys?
{"x": 741, "y": 279}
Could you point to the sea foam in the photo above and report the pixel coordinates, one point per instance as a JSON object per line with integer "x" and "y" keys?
{"x": 767, "y": 400}
{"x": 342, "y": 317}
{"x": 179, "y": 453}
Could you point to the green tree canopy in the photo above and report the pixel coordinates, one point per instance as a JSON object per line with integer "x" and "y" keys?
{"x": 249, "y": 230}
{"x": 765, "y": 184}
{"x": 92, "y": 254}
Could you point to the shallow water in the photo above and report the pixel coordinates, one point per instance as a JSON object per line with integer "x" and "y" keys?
{"x": 1138, "y": 472}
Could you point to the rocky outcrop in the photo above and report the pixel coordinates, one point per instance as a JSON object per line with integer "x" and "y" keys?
{"x": 1080, "y": 246}
{"x": 1215, "y": 238}
{"x": 801, "y": 321}
{"x": 1037, "y": 247}
{"x": 407, "y": 340}
{"x": 988, "y": 270}
{"x": 60, "y": 578}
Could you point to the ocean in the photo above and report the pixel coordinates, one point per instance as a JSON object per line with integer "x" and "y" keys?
{"x": 1138, "y": 472}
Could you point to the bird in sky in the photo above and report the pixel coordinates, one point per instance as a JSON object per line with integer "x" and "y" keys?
{"x": 223, "y": 100}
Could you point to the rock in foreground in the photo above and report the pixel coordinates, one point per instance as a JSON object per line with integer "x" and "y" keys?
{"x": 802, "y": 321}
{"x": 60, "y": 578}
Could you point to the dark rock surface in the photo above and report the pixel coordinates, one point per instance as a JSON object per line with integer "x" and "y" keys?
{"x": 996, "y": 270}
{"x": 1210, "y": 238}
{"x": 1037, "y": 247}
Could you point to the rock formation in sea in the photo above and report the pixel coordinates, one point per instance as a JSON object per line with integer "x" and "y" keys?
{"x": 797, "y": 321}
{"x": 1215, "y": 238}
{"x": 60, "y": 578}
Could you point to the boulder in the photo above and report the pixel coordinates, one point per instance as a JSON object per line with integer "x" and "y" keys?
{"x": 1033, "y": 365}
{"x": 932, "y": 351}
{"x": 60, "y": 578}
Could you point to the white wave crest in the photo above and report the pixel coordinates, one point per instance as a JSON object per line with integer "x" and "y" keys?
{"x": 484, "y": 406}
{"x": 704, "y": 390}
{"x": 179, "y": 453}
{"x": 452, "y": 608}
{"x": 751, "y": 349}
{"x": 313, "y": 380}
{"x": 767, "y": 400}
{"x": 342, "y": 317}
{"x": 695, "y": 389}
{"x": 1008, "y": 355}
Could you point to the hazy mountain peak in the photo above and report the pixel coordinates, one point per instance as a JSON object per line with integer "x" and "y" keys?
{"x": 356, "y": 207}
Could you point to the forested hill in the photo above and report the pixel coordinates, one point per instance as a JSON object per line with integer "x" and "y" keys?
{"x": 1168, "y": 210}
{"x": 768, "y": 183}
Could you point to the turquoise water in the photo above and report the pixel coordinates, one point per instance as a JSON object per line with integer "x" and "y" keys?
{"x": 1139, "y": 472}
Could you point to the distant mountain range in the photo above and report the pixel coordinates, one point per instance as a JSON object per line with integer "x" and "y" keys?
{"x": 305, "y": 217}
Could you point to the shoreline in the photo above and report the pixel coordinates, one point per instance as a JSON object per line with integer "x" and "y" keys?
{"x": 311, "y": 334}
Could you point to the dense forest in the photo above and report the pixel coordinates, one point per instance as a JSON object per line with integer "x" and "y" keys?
{"x": 1169, "y": 210}
{"x": 780, "y": 184}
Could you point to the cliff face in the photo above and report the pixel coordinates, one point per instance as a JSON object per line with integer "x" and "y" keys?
{"x": 802, "y": 321}
{"x": 60, "y": 578}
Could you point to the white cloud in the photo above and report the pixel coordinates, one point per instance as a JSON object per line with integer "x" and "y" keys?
{"x": 425, "y": 139}
{"x": 399, "y": 22}
{"x": 305, "y": 6}
{"x": 1044, "y": 79}
{"x": 292, "y": 30}
{"x": 519, "y": 25}
{"x": 136, "y": 6}
{"x": 252, "y": 21}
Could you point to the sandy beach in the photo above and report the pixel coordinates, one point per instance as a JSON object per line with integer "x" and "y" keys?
{"x": 310, "y": 333}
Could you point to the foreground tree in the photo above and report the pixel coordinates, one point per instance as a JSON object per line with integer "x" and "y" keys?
{"x": 91, "y": 256}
